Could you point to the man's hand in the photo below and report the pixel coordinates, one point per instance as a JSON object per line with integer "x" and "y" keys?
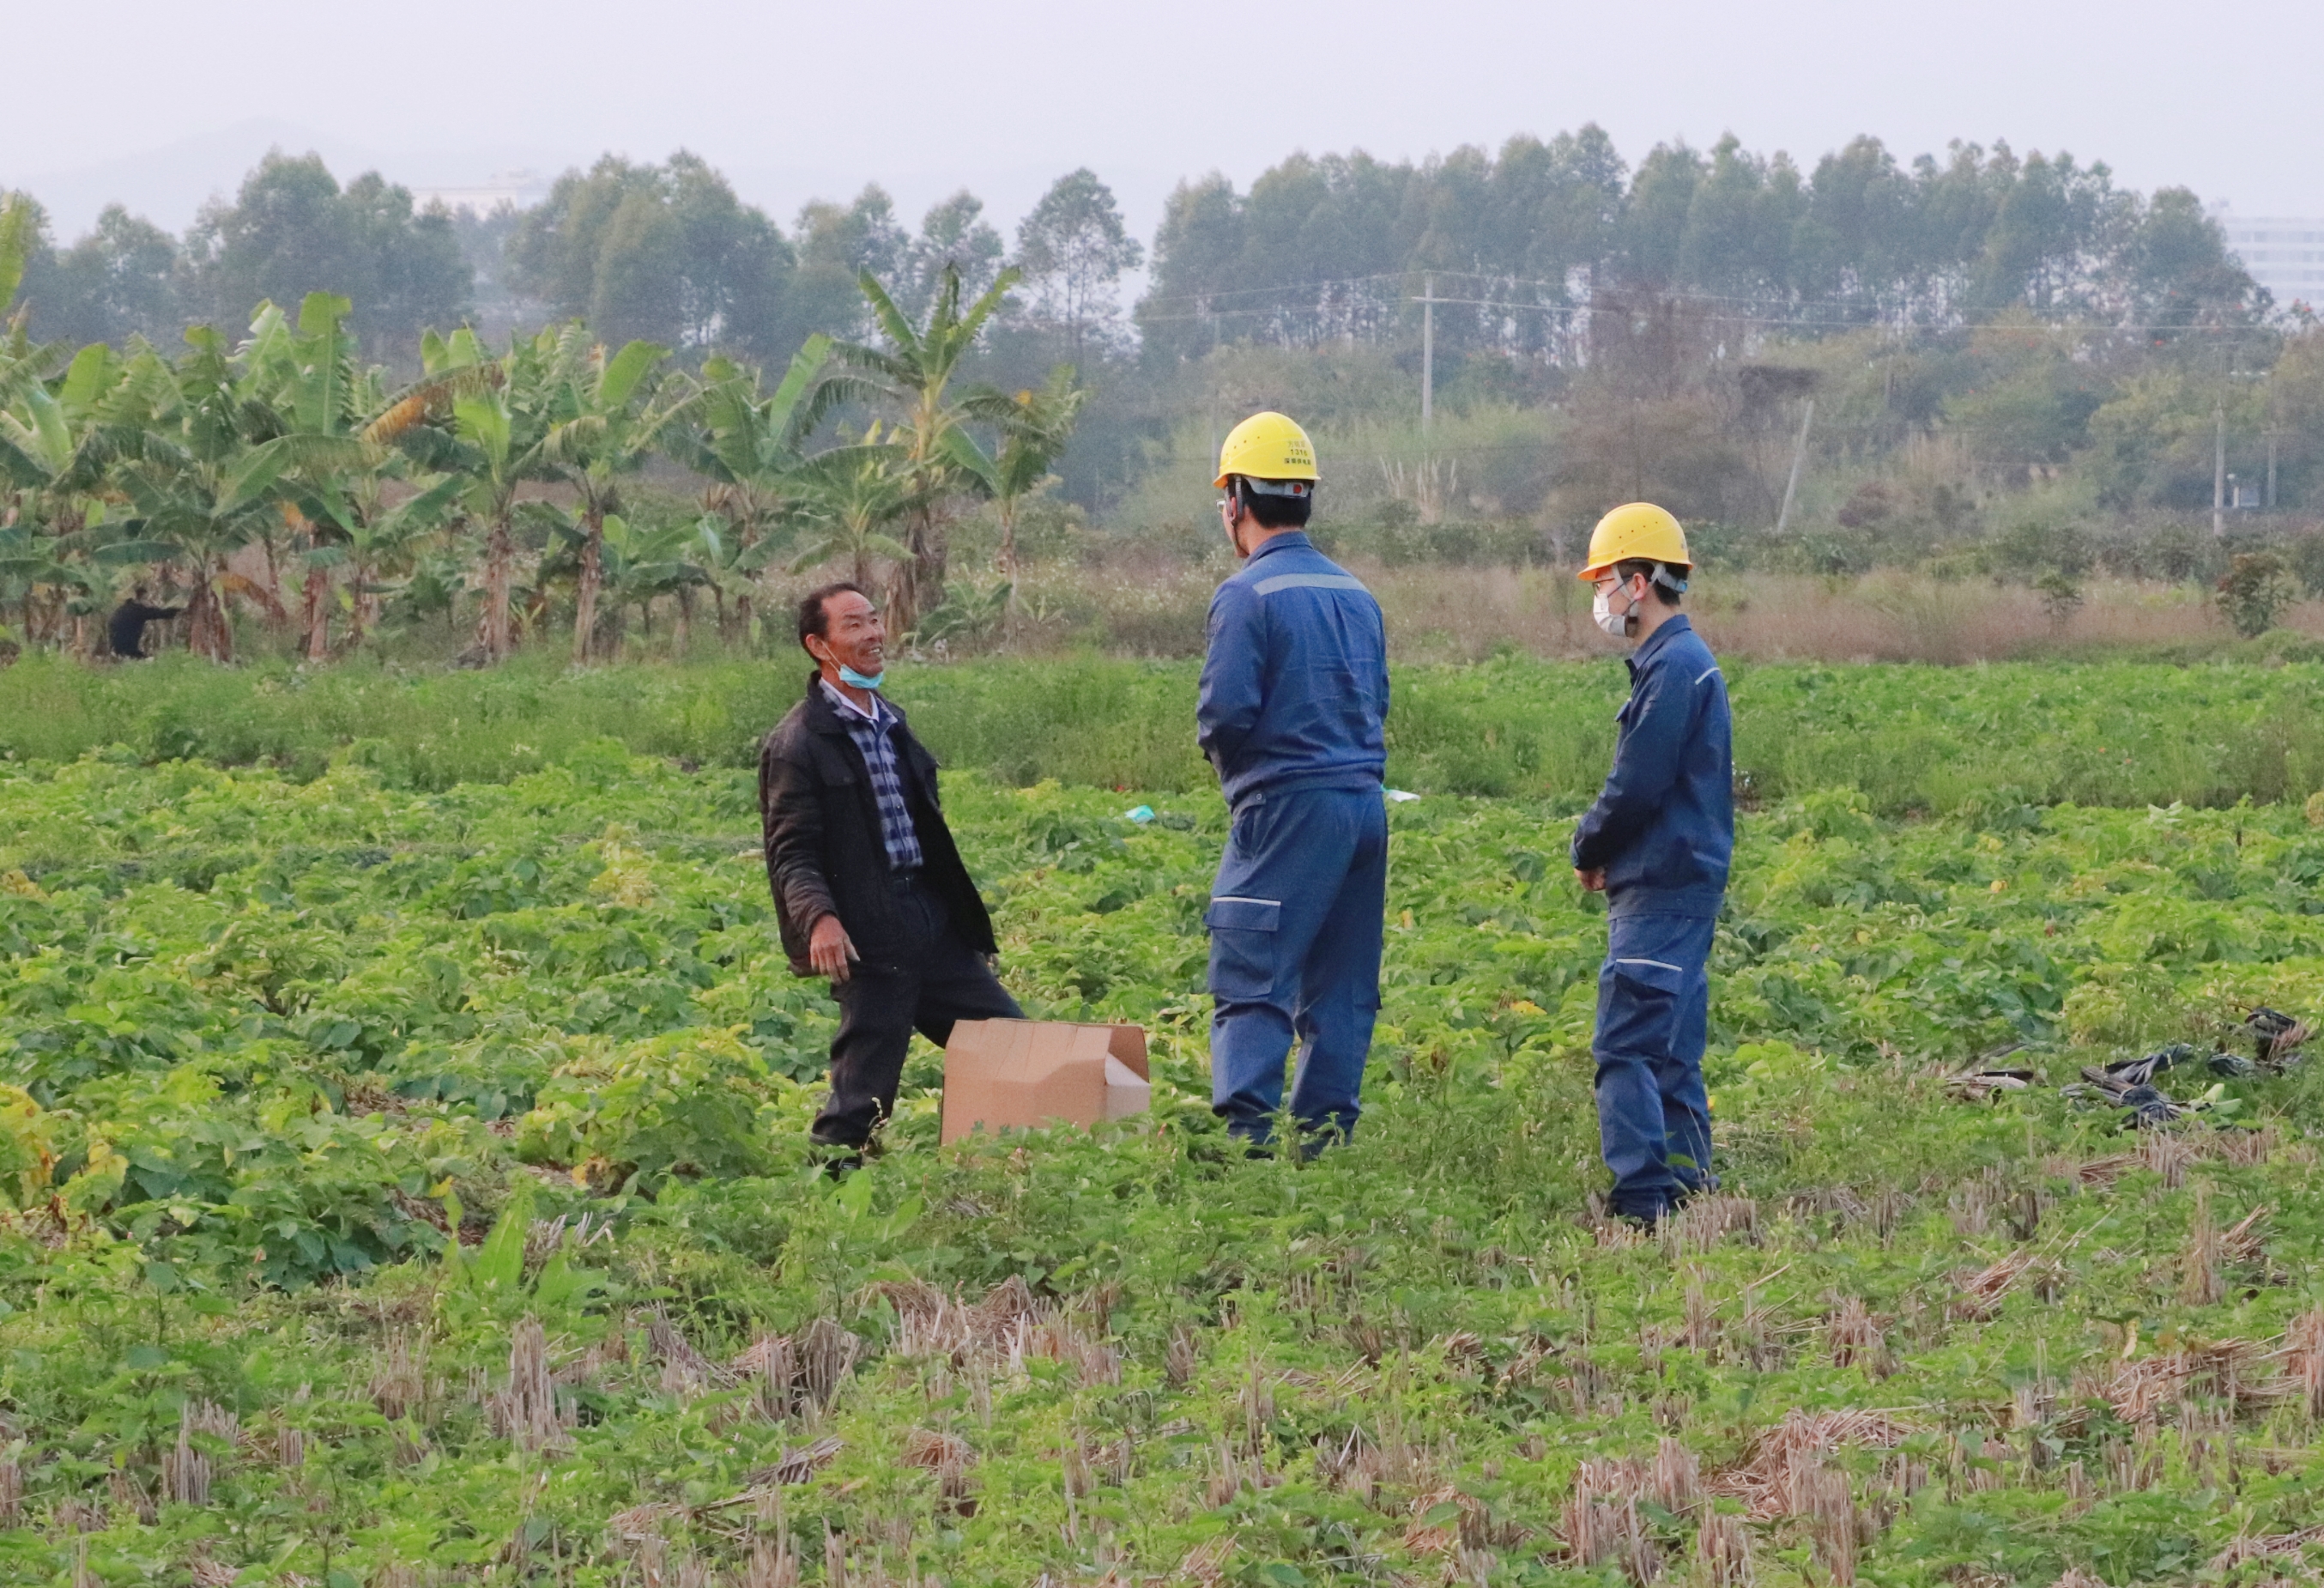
{"x": 1592, "y": 882}
{"x": 829, "y": 948}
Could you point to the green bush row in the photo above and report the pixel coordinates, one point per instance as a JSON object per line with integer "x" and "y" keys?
{"x": 1908, "y": 737}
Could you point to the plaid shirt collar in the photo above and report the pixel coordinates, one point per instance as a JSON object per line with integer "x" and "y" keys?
{"x": 873, "y": 735}
{"x": 853, "y": 715}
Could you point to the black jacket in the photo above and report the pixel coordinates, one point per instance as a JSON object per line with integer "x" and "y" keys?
{"x": 824, "y": 852}
{"x": 127, "y": 628}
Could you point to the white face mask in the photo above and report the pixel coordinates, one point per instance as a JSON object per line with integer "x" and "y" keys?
{"x": 1616, "y": 624}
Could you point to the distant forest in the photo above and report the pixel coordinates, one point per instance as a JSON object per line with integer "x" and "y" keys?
{"x": 1319, "y": 249}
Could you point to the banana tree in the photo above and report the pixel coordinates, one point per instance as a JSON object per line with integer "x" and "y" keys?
{"x": 198, "y": 487}
{"x": 385, "y": 537}
{"x": 1033, "y": 437}
{"x": 748, "y": 446}
{"x": 911, "y": 377}
{"x": 846, "y": 500}
{"x": 319, "y": 401}
{"x": 646, "y": 562}
{"x": 481, "y": 420}
{"x": 603, "y": 423}
{"x": 55, "y": 443}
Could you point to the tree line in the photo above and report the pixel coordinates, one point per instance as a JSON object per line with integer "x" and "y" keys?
{"x": 1318, "y": 248}
{"x": 665, "y": 252}
{"x": 1529, "y": 241}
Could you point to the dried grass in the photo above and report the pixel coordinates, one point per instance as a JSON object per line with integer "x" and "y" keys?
{"x": 186, "y": 1467}
{"x": 1820, "y": 1496}
{"x": 1764, "y": 1482}
{"x": 685, "y": 1370}
{"x": 2168, "y": 1155}
{"x": 947, "y": 1456}
{"x": 2269, "y": 1546}
{"x": 1205, "y": 1565}
{"x": 1676, "y": 1481}
{"x": 399, "y": 1385}
{"x": 2240, "y": 1372}
{"x": 525, "y": 1409}
{"x": 1722, "y": 1552}
{"x": 1601, "y": 1524}
{"x": 1853, "y": 1337}
{"x": 1705, "y": 1220}
{"x": 2199, "y": 1282}
{"x": 1981, "y": 1292}
{"x": 1453, "y": 613}
{"x": 2303, "y": 1361}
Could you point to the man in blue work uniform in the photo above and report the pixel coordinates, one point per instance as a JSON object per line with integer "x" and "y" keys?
{"x": 1292, "y": 714}
{"x": 1658, "y": 845}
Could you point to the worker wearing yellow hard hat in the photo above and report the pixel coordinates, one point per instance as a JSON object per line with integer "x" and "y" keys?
{"x": 1269, "y": 447}
{"x": 1293, "y": 714}
{"x": 1657, "y": 844}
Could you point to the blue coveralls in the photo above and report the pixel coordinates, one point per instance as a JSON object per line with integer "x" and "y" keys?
{"x": 1294, "y": 714}
{"x": 1663, "y": 832}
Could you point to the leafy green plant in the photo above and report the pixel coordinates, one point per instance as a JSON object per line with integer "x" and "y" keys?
{"x": 2255, "y": 591}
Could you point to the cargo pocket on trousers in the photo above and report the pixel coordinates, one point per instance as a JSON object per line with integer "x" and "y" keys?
{"x": 1640, "y": 1014}
{"x": 1243, "y": 947}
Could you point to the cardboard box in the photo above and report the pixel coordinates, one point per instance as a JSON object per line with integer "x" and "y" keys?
{"x": 1004, "y": 1075}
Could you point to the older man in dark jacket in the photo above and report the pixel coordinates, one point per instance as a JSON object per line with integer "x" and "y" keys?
{"x": 869, "y": 889}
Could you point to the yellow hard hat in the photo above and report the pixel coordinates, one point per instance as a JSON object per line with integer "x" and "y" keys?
{"x": 1267, "y": 447}
{"x": 1637, "y": 530}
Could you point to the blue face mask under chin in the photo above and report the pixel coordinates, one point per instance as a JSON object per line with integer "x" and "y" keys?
{"x": 855, "y": 680}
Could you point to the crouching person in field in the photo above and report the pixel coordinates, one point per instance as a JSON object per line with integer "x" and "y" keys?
{"x": 1658, "y": 845}
{"x": 869, "y": 887}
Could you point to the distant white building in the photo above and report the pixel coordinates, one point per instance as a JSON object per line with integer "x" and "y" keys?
{"x": 520, "y": 188}
{"x": 2284, "y": 253}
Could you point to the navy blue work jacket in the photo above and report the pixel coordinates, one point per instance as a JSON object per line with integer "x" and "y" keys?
{"x": 1295, "y": 679}
{"x": 1664, "y": 828}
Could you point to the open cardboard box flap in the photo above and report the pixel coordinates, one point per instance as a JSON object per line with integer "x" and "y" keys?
{"x": 1014, "y": 1074}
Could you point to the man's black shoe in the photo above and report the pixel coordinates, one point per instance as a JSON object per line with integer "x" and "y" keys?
{"x": 839, "y": 1162}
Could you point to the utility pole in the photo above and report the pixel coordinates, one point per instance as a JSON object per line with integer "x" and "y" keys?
{"x": 2271, "y": 470}
{"x": 1799, "y": 458}
{"x": 1427, "y": 352}
{"x": 2220, "y": 470}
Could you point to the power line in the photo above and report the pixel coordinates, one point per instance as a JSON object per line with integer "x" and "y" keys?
{"x": 2043, "y": 327}
{"x": 1652, "y": 297}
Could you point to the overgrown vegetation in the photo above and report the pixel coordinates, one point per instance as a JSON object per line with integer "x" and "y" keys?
{"x": 406, "y": 1185}
{"x": 1910, "y": 740}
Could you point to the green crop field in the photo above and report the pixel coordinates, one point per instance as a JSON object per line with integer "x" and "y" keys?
{"x": 403, "y": 1175}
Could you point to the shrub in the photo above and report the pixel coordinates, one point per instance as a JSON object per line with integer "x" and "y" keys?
{"x": 2257, "y": 590}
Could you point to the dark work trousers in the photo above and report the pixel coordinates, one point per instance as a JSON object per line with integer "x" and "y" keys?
{"x": 1654, "y": 1120}
{"x": 922, "y": 983}
{"x": 1294, "y": 922}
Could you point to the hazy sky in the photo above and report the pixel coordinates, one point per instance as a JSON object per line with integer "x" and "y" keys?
{"x": 161, "y": 102}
